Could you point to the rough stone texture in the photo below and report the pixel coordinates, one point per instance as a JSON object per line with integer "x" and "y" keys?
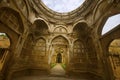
{"x": 38, "y": 34}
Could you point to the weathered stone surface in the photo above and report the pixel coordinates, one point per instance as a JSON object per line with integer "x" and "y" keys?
{"x": 40, "y": 38}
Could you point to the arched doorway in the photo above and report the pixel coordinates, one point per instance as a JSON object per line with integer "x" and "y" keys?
{"x": 114, "y": 52}
{"x": 59, "y": 58}
{"x": 59, "y": 50}
{"x": 59, "y": 55}
{"x": 4, "y": 48}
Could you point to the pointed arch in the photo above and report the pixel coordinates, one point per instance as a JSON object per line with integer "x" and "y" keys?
{"x": 40, "y": 23}
{"x": 40, "y": 27}
{"x": 12, "y": 19}
{"x": 81, "y": 24}
{"x": 60, "y": 29}
{"x": 80, "y": 28}
{"x": 62, "y": 37}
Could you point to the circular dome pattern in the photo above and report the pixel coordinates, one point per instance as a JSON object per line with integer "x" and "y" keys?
{"x": 63, "y": 6}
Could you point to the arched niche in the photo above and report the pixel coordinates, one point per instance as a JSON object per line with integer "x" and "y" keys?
{"x": 60, "y": 30}
{"x": 80, "y": 29}
{"x": 40, "y": 47}
{"x": 114, "y": 57}
{"x": 12, "y": 19}
{"x": 59, "y": 45}
{"x": 40, "y": 28}
{"x": 39, "y": 54}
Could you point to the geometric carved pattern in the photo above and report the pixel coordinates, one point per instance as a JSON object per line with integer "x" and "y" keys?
{"x": 78, "y": 48}
{"x": 79, "y": 51}
{"x": 8, "y": 17}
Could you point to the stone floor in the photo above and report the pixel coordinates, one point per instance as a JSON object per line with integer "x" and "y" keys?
{"x": 57, "y": 73}
{"x": 57, "y": 70}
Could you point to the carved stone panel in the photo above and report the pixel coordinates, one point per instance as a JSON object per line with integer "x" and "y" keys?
{"x": 79, "y": 49}
{"x": 10, "y": 18}
{"x": 40, "y": 47}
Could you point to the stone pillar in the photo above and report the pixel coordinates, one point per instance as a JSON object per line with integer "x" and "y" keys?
{"x": 70, "y": 54}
